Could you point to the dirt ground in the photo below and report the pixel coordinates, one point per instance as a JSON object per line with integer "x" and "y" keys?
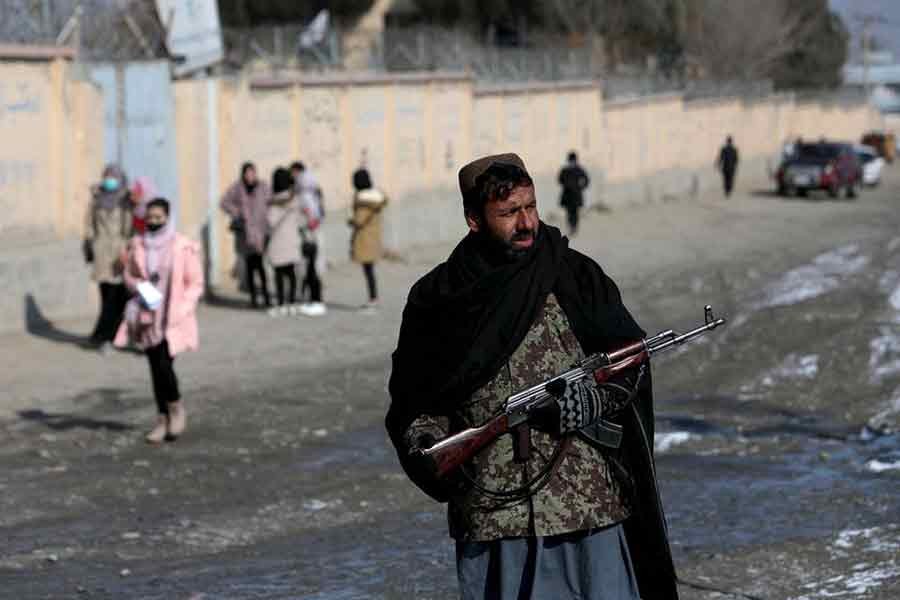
{"x": 778, "y": 450}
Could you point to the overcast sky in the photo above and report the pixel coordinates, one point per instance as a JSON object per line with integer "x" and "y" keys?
{"x": 888, "y": 34}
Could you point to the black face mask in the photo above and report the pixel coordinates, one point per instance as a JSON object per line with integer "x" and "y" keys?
{"x": 154, "y": 227}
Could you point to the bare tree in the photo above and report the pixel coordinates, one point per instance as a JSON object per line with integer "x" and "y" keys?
{"x": 741, "y": 40}
{"x": 611, "y": 18}
{"x": 630, "y": 29}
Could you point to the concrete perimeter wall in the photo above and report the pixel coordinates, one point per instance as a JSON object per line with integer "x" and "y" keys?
{"x": 51, "y": 148}
{"x": 413, "y": 132}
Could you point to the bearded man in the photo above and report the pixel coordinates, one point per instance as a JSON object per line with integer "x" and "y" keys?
{"x": 556, "y": 510}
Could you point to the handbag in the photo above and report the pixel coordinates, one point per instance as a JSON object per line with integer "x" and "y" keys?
{"x": 308, "y": 245}
{"x": 87, "y": 250}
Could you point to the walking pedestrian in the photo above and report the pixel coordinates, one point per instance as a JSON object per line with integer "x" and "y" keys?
{"x": 246, "y": 202}
{"x": 283, "y": 251}
{"x": 562, "y": 513}
{"x": 142, "y": 192}
{"x": 728, "y": 163}
{"x": 312, "y": 200}
{"x": 164, "y": 274}
{"x": 307, "y": 187}
{"x": 367, "y": 223}
{"x": 574, "y": 180}
{"x": 108, "y": 226}
{"x": 310, "y": 233}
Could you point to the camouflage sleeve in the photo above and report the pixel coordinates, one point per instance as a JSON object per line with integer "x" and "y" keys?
{"x": 424, "y": 431}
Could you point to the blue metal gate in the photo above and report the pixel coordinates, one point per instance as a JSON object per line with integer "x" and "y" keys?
{"x": 139, "y": 116}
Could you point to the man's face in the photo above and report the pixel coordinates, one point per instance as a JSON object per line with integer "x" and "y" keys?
{"x": 512, "y": 222}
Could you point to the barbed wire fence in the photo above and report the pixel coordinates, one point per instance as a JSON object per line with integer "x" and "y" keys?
{"x": 108, "y": 30}
{"x": 279, "y": 47}
{"x": 123, "y": 30}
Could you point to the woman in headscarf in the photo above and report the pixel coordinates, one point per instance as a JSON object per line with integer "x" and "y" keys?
{"x": 142, "y": 191}
{"x": 246, "y": 203}
{"x": 108, "y": 226}
{"x": 164, "y": 273}
{"x": 367, "y": 223}
{"x": 283, "y": 251}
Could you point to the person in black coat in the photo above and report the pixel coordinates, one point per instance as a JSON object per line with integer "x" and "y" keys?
{"x": 574, "y": 180}
{"x": 727, "y": 163}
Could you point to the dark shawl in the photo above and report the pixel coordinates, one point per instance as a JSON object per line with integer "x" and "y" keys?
{"x": 463, "y": 321}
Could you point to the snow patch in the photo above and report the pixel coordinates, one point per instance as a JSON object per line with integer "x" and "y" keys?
{"x": 663, "y": 442}
{"x": 856, "y": 584}
{"x": 316, "y": 505}
{"x": 821, "y": 276}
{"x": 873, "y": 539}
{"x": 894, "y": 298}
{"x": 866, "y": 576}
{"x": 876, "y": 466}
{"x": 884, "y": 353}
{"x": 793, "y": 366}
{"x": 806, "y": 366}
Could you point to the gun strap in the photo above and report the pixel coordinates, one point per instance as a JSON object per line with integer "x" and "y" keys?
{"x": 529, "y": 488}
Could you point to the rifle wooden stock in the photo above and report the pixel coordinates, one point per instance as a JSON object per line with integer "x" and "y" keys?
{"x": 452, "y": 452}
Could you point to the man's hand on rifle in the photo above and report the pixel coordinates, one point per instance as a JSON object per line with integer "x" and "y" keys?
{"x": 575, "y": 406}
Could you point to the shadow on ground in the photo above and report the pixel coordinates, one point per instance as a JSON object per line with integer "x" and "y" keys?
{"x": 67, "y": 421}
{"x": 38, "y": 325}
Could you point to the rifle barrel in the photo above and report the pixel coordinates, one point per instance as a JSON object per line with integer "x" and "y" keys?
{"x": 677, "y": 340}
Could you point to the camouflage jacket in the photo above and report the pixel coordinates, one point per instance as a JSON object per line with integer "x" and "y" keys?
{"x": 581, "y": 494}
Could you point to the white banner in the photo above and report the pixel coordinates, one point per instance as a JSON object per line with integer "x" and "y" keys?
{"x": 194, "y": 33}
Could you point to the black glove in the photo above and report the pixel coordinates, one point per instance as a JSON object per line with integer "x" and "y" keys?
{"x": 580, "y": 404}
{"x": 575, "y": 406}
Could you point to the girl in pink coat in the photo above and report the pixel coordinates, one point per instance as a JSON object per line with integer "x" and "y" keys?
{"x": 164, "y": 274}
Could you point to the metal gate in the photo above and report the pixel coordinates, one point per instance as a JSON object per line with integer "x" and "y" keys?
{"x": 139, "y": 119}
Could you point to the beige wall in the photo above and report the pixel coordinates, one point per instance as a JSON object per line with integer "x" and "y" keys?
{"x": 656, "y": 134}
{"x": 52, "y": 131}
{"x": 414, "y": 132}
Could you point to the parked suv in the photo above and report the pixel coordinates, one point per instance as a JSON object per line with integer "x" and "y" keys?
{"x": 829, "y": 166}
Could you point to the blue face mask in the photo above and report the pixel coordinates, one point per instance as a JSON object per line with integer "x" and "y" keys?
{"x": 110, "y": 184}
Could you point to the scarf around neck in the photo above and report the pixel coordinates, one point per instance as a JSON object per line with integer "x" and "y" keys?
{"x": 465, "y": 318}
{"x": 158, "y": 249}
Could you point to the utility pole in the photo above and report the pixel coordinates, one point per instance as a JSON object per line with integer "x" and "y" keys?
{"x": 867, "y": 21}
{"x": 46, "y": 26}
{"x": 866, "y": 33}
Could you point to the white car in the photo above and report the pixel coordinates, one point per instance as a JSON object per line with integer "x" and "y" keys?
{"x": 871, "y": 164}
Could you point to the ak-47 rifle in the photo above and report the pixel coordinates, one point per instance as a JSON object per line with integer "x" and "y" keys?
{"x": 455, "y": 450}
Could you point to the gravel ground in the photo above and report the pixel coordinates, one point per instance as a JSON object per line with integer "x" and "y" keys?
{"x": 777, "y": 446}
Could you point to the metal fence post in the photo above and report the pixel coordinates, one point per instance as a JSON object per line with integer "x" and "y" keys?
{"x": 212, "y": 206}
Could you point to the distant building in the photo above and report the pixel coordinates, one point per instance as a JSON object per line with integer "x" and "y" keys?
{"x": 882, "y": 76}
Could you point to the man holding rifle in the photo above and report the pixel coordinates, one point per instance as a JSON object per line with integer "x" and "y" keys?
{"x": 566, "y": 506}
